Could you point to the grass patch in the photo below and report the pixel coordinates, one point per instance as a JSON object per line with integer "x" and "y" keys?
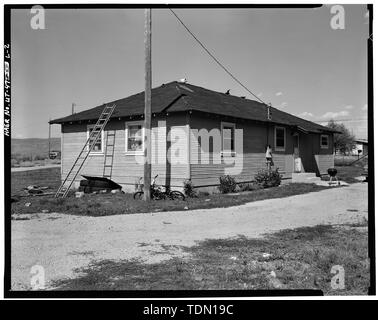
{"x": 300, "y": 258}
{"x": 347, "y": 173}
{"x": 111, "y": 204}
{"x": 49, "y": 177}
{"x": 348, "y": 160}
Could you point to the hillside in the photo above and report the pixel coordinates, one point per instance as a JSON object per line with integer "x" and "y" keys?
{"x": 33, "y": 147}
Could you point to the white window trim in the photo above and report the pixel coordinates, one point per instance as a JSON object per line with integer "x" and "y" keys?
{"x": 275, "y": 139}
{"x": 89, "y": 126}
{"x": 321, "y": 145}
{"x": 133, "y": 123}
{"x": 228, "y": 124}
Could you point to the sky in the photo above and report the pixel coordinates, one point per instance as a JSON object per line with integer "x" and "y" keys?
{"x": 291, "y": 58}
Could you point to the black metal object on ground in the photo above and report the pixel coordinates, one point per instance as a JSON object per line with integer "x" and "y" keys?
{"x": 92, "y": 184}
{"x": 332, "y": 172}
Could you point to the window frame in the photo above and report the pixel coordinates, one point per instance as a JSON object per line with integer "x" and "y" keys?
{"x": 101, "y": 152}
{"x": 279, "y": 148}
{"x": 321, "y": 138}
{"x": 226, "y": 152}
{"x": 127, "y": 125}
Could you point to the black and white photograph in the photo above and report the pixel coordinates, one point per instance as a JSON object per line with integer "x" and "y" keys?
{"x": 188, "y": 151}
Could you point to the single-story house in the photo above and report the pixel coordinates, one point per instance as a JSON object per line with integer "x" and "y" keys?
{"x": 361, "y": 148}
{"x": 187, "y": 123}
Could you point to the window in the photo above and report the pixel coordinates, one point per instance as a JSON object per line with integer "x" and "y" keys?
{"x": 228, "y": 138}
{"x": 280, "y": 138}
{"x": 99, "y": 143}
{"x": 324, "y": 141}
{"x": 134, "y": 137}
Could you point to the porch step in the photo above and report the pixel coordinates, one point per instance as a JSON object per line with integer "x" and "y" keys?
{"x": 305, "y": 177}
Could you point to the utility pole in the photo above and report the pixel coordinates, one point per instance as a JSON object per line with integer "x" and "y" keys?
{"x": 49, "y": 138}
{"x": 147, "y": 105}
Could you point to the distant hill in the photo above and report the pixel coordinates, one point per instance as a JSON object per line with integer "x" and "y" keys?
{"x": 33, "y": 147}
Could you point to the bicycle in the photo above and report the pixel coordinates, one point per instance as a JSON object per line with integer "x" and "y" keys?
{"x": 158, "y": 194}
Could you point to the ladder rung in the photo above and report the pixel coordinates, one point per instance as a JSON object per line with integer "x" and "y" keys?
{"x": 95, "y": 134}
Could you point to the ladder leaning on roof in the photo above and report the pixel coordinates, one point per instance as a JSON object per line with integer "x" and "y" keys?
{"x": 84, "y": 153}
{"x": 109, "y": 154}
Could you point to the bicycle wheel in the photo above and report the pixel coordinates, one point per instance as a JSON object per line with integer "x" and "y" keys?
{"x": 138, "y": 195}
{"x": 158, "y": 196}
{"x": 177, "y": 195}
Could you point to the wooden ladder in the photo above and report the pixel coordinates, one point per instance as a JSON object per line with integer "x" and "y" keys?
{"x": 109, "y": 154}
{"x": 85, "y": 151}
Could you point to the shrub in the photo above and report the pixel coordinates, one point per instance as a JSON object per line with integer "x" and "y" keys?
{"x": 189, "y": 189}
{"x": 39, "y": 157}
{"x": 227, "y": 184}
{"x": 249, "y": 186}
{"x": 14, "y": 162}
{"x": 268, "y": 179}
{"x": 204, "y": 193}
{"x": 243, "y": 187}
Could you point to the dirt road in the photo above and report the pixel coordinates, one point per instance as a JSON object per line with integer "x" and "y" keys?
{"x": 61, "y": 243}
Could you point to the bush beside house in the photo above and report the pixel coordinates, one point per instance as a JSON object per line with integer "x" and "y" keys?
{"x": 263, "y": 179}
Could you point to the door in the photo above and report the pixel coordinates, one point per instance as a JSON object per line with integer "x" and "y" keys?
{"x": 296, "y": 157}
{"x": 296, "y": 145}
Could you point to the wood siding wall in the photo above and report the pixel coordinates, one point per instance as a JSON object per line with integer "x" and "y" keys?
{"x": 127, "y": 169}
{"x": 324, "y": 162}
{"x": 255, "y": 138}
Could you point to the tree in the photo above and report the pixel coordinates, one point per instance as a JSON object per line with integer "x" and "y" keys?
{"x": 344, "y": 142}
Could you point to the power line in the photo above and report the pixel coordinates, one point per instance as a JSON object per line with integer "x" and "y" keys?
{"x": 214, "y": 58}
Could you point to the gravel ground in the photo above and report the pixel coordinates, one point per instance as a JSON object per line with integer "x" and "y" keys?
{"x": 61, "y": 243}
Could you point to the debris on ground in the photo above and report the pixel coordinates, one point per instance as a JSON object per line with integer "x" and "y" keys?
{"x": 21, "y": 217}
{"x": 266, "y": 255}
{"x": 35, "y": 190}
{"x": 25, "y": 216}
{"x": 27, "y": 204}
{"x": 79, "y": 194}
{"x": 116, "y": 191}
{"x": 45, "y": 211}
{"x": 274, "y": 282}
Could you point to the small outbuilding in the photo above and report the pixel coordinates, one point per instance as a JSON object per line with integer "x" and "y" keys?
{"x": 361, "y": 148}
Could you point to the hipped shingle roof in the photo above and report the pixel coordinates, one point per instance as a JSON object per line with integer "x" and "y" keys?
{"x": 178, "y": 97}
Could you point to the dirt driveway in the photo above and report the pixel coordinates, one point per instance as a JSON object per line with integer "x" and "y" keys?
{"x": 61, "y": 243}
